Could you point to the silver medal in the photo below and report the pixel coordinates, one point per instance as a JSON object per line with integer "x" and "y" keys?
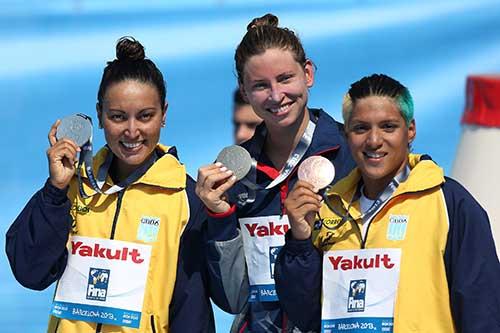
{"x": 237, "y": 159}
{"x": 76, "y": 128}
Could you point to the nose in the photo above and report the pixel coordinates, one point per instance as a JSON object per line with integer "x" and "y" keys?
{"x": 132, "y": 129}
{"x": 276, "y": 93}
{"x": 374, "y": 139}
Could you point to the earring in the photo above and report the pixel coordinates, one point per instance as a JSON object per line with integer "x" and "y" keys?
{"x": 163, "y": 124}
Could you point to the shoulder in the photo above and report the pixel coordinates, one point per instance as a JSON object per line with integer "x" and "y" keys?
{"x": 458, "y": 199}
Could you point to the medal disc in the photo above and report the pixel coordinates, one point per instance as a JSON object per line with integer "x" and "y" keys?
{"x": 76, "y": 128}
{"x": 317, "y": 171}
{"x": 237, "y": 159}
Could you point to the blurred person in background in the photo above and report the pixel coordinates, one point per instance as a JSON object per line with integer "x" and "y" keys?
{"x": 147, "y": 217}
{"x": 244, "y": 118}
{"x": 274, "y": 75}
{"x": 395, "y": 245}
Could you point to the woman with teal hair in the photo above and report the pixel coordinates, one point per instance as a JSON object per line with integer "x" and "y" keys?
{"x": 395, "y": 246}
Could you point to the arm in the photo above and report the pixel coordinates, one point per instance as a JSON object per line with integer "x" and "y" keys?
{"x": 190, "y": 308}
{"x": 472, "y": 266}
{"x": 298, "y": 268}
{"x": 226, "y": 262}
{"x": 298, "y": 274}
{"x": 198, "y": 278}
{"x": 36, "y": 241}
{"x": 227, "y": 272}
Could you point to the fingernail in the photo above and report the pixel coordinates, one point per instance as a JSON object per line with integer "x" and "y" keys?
{"x": 233, "y": 178}
{"x": 229, "y": 172}
{"x": 218, "y": 164}
{"x": 223, "y": 169}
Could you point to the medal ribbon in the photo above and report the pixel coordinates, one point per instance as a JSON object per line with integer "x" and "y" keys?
{"x": 377, "y": 204}
{"x": 86, "y": 157}
{"x": 296, "y": 156}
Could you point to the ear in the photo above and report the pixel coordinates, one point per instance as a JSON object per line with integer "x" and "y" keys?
{"x": 99, "y": 113}
{"x": 412, "y": 131}
{"x": 309, "y": 71}
{"x": 164, "y": 115}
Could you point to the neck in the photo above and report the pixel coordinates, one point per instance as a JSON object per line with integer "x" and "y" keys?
{"x": 281, "y": 141}
{"x": 119, "y": 171}
{"x": 374, "y": 187}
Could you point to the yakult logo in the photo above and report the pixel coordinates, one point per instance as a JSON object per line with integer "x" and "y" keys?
{"x": 97, "y": 287}
{"x": 347, "y": 264}
{"x": 124, "y": 254}
{"x": 270, "y": 230}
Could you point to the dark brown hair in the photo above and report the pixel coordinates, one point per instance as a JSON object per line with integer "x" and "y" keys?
{"x": 131, "y": 64}
{"x": 262, "y": 34}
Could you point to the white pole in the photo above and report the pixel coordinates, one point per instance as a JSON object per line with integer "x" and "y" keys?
{"x": 477, "y": 163}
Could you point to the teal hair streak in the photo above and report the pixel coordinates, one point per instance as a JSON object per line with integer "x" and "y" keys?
{"x": 405, "y": 102}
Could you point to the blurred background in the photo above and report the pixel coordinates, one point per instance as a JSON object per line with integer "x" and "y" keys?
{"x": 53, "y": 53}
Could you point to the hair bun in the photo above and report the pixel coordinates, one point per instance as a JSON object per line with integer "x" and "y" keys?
{"x": 268, "y": 19}
{"x": 129, "y": 49}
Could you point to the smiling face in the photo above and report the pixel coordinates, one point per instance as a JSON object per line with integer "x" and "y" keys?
{"x": 378, "y": 138}
{"x": 276, "y": 86}
{"x": 131, "y": 117}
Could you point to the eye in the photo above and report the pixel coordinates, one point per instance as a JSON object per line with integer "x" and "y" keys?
{"x": 359, "y": 128}
{"x": 117, "y": 117}
{"x": 259, "y": 86}
{"x": 146, "y": 116}
{"x": 389, "y": 127}
{"x": 285, "y": 78}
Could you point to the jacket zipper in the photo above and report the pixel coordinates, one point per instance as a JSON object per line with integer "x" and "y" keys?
{"x": 57, "y": 325}
{"x": 153, "y": 324}
{"x": 112, "y": 236}
{"x": 363, "y": 240}
{"x": 117, "y": 213}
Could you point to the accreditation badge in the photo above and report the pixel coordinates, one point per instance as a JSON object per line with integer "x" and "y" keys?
{"x": 359, "y": 290}
{"x": 104, "y": 282}
{"x": 263, "y": 237}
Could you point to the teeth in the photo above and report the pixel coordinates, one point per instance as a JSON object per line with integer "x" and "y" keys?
{"x": 280, "y": 109}
{"x": 131, "y": 145}
{"x": 374, "y": 155}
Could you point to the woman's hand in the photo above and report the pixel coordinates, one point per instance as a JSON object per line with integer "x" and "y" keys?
{"x": 62, "y": 159}
{"x": 213, "y": 181}
{"x": 301, "y": 205}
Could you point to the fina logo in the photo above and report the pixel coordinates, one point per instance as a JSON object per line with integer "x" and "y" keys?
{"x": 273, "y": 256}
{"x": 356, "y": 299}
{"x": 97, "y": 287}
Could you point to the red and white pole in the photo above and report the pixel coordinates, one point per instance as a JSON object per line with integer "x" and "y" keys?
{"x": 477, "y": 163}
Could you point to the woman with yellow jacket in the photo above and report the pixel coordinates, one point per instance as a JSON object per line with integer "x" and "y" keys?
{"x": 396, "y": 246}
{"x": 128, "y": 253}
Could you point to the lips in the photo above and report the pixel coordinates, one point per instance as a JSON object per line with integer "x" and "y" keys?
{"x": 131, "y": 146}
{"x": 280, "y": 110}
{"x": 374, "y": 155}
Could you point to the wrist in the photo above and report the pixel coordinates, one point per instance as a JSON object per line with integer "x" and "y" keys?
{"x": 59, "y": 185}
{"x": 301, "y": 232}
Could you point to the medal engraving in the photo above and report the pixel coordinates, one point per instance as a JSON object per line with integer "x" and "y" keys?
{"x": 237, "y": 159}
{"x": 76, "y": 128}
{"x": 317, "y": 171}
